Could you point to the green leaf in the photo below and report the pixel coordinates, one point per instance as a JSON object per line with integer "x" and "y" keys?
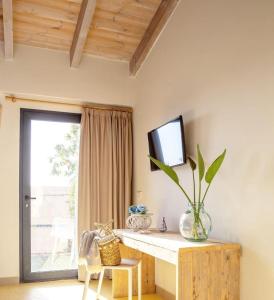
{"x": 172, "y": 175}
{"x": 168, "y": 170}
{"x": 192, "y": 163}
{"x": 214, "y": 168}
{"x": 201, "y": 164}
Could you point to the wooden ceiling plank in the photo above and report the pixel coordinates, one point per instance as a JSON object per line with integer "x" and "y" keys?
{"x": 40, "y": 32}
{"x": 60, "y": 4}
{"x": 118, "y": 27}
{"x": 153, "y": 31}
{"x": 118, "y": 5}
{"x": 33, "y": 40}
{"x": 126, "y": 8}
{"x": 110, "y": 44}
{"x": 43, "y": 30}
{"x": 127, "y": 19}
{"x": 146, "y": 4}
{"x": 8, "y": 28}
{"x": 43, "y": 22}
{"x": 81, "y": 31}
{"x": 36, "y": 44}
{"x": 41, "y": 10}
{"x": 110, "y": 53}
{"x": 113, "y": 36}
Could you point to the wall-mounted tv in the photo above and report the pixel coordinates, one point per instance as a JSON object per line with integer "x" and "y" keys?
{"x": 167, "y": 144}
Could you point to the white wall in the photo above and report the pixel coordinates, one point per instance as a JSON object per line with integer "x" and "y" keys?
{"x": 47, "y": 73}
{"x": 35, "y": 72}
{"x": 214, "y": 64}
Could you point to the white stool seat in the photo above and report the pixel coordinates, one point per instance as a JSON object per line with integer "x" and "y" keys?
{"x": 127, "y": 265}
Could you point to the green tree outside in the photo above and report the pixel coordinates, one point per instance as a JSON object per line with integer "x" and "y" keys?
{"x": 64, "y": 162}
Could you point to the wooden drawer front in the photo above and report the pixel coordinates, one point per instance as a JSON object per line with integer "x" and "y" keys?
{"x": 158, "y": 252}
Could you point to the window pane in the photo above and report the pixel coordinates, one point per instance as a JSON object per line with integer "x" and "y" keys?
{"x": 54, "y": 177}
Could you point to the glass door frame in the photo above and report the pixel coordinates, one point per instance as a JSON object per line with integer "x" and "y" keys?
{"x": 26, "y": 116}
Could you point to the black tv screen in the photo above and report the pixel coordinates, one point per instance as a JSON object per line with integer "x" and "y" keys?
{"x": 167, "y": 144}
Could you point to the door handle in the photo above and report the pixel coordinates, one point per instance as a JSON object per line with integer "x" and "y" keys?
{"x": 27, "y": 198}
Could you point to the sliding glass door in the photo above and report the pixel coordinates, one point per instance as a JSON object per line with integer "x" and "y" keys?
{"x": 48, "y": 194}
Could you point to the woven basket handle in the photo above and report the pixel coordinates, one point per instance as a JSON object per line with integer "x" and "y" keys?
{"x": 105, "y": 229}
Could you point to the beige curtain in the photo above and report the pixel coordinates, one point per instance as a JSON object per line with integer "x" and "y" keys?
{"x": 105, "y": 170}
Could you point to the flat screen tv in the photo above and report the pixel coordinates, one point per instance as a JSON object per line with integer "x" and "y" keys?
{"x": 167, "y": 144}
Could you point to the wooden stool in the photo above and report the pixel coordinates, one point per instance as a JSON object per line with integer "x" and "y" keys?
{"x": 127, "y": 265}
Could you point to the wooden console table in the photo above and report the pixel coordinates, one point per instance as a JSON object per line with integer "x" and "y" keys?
{"x": 204, "y": 271}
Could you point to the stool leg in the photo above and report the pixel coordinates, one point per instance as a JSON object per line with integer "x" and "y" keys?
{"x": 129, "y": 284}
{"x": 101, "y": 278}
{"x": 86, "y": 285}
{"x": 139, "y": 280}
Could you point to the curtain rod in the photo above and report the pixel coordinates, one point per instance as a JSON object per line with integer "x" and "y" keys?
{"x": 14, "y": 99}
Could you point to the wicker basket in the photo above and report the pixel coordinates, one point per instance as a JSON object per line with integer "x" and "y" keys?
{"x": 109, "y": 250}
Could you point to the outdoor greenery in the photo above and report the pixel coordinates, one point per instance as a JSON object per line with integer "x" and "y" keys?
{"x": 65, "y": 162}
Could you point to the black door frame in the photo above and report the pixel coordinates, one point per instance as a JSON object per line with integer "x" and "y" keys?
{"x": 26, "y": 115}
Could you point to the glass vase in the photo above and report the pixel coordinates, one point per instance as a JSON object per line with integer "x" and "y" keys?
{"x": 195, "y": 224}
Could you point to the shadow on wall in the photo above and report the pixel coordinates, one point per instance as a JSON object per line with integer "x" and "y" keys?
{"x": 192, "y": 125}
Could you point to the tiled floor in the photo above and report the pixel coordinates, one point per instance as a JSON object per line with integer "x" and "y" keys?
{"x": 58, "y": 290}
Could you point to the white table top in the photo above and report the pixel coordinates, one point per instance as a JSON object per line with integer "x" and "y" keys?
{"x": 169, "y": 240}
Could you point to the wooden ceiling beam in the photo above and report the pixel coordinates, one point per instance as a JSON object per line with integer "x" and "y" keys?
{"x": 81, "y": 31}
{"x": 164, "y": 11}
{"x": 8, "y": 28}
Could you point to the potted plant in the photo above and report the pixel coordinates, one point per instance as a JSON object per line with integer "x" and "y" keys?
{"x": 195, "y": 223}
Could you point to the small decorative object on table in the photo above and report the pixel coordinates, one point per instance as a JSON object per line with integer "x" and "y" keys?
{"x": 139, "y": 218}
{"x": 108, "y": 245}
{"x": 163, "y": 228}
{"x": 195, "y": 224}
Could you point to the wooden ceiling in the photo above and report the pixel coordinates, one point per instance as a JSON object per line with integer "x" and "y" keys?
{"x": 116, "y": 29}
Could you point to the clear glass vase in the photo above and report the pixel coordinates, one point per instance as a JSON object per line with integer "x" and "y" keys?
{"x": 195, "y": 224}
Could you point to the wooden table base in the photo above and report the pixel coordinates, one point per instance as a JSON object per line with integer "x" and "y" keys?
{"x": 120, "y": 279}
{"x": 204, "y": 271}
